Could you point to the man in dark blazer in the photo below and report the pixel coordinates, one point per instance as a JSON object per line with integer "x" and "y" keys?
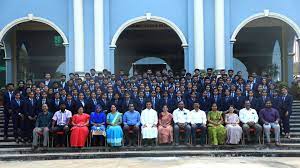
{"x": 31, "y": 112}
{"x": 227, "y": 100}
{"x": 18, "y": 116}
{"x": 205, "y": 102}
{"x": 8, "y": 97}
{"x": 239, "y": 100}
{"x": 286, "y": 110}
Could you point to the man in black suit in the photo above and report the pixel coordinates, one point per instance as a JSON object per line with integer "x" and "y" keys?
{"x": 8, "y": 97}
{"x": 18, "y": 116}
{"x": 286, "y": 111}
{"x": 31, "y": 112}
{"x": 239, "y": 100}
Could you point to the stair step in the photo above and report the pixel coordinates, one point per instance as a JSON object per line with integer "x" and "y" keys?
{"x": 295, "y": 117}
{"x": 295, "y": 125}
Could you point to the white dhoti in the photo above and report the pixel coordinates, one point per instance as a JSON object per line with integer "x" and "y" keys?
{"x": 149, "y": 119}
{"x": 149, "y": 132}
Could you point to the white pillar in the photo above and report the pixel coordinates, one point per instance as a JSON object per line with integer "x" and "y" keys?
{"x": 99, "y": 34}
{"x": 198, "y": 34}
{"x": 78, "y": 36}
{"x": 219, "y": 34}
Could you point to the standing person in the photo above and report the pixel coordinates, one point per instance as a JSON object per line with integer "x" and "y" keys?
{"x": 149, "y": 122}
{"x": 198, "y": 121}
{"x": 181, "y": 117}
{"x": 97, "y": 121}
{"x": 131, "y": 121}
{"x": 61, "y": 120}
{"x": 165, "y": 129}
{"x": 249, "y": 119}
{"x": 79, "y": 131}
{"x": 234, "y": 131}
{"x": 8, "y": 97}
{"x": 18, "y": 117}
{"x": 270, "y": 118}
{"x": 216, "y": 131}
{"x": 286, "y": 111}
{"x": 114, "y": 131}
{"x": 42, "y": 126}
{"x": 31, "y": 112}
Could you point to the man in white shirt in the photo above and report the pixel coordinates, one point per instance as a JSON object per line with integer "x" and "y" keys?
{"x": 181, "y": 117}
{"x": 249, "y": 119}
{"x": 61, "y": 120}
{"x": 149, "y": 122}
{"x": 198, "y": 121}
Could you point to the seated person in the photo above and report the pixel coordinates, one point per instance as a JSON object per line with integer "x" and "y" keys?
{"x": 149, "y": 121}
{"x": 270, "y": 118}
{"x": 234, "y": 131}
{"x": 61, "y": 120}
{"x": 114, "y": 131}
{"x": 80, "y": 130}
{"x": 165, "y": 128}
{"x": 42, "y": 126}
{"x": 249, "y": 119}
{"x": 181, "y": 117}
{"x": 131, "y": 121}
{"x": 198, "y": 121}
{"x": 216, "y": 131}
{"x": 97, "y": 121}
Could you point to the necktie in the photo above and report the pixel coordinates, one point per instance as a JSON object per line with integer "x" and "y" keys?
{"x": 18, "y": 101}
{"x": 31, "y": 102}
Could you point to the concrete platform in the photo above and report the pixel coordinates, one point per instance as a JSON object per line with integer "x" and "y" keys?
{"x": 10, "y": 154}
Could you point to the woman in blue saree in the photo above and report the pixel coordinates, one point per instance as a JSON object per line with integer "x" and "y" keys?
{"x": 97, "y": 122}
{"x": 114, "y": 133}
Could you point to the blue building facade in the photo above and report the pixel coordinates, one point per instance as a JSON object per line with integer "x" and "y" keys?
{"x": 204, "y": 33}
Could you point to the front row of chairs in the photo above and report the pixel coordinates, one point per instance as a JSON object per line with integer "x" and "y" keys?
{"x": 261, "y": 138}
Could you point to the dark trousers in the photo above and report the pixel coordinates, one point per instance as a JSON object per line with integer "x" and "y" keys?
{"x": 131, "y": 133}
{"x": 286, "y": 124}
{"x": 202, "y": 133}
{"x": 60, "y": 139}
{"x": 7, "y": 116}
{"x": 247, "y": 128}
{"x": 27, "y": 128}
{"x": 17, "y": 121}
{"x": 187, "y": 131}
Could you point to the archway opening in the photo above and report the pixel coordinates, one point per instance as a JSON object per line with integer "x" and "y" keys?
{"x": 33, "y": 48}
{"x": 265, "y": 45}
{"x": 148, "y": 39}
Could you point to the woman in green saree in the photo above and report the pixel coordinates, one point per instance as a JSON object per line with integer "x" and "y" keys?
{"x": 216, "y": 131}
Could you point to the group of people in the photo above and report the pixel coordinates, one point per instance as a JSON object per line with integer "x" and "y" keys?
{"x": 160, "y": 107}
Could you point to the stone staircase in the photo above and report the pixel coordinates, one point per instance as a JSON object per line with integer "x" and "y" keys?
{"x": 295, "y": 123}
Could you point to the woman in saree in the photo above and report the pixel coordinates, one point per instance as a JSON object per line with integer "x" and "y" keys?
{"x": 165, "y": 129}
{"x": 79, "y": 131}
{"x": 234, "y": 131}
{"x": 114, "y": 133}
{"x": 97, "y": 121}
{"x": 216, "y": 131}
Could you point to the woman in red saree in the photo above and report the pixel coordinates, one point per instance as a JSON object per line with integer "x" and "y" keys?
{"x": 165, "y": 129}
{"x": 79, "y": 131}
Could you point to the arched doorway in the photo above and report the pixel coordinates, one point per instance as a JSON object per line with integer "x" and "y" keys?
{"x": 148, "y": 38}
{"x": 33, "y": 47}
{"x": 265, "y": 42}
